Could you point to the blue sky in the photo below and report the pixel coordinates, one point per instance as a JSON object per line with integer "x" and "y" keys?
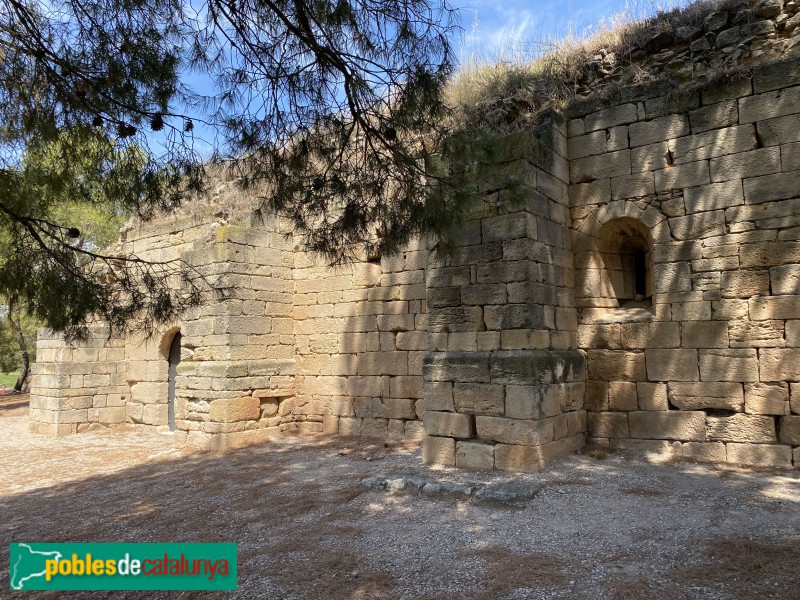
{"x": 503, "y": 25}
{"x": 505, "y": 28}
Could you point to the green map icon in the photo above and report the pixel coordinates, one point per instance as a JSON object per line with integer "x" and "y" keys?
{"x": 28, "y": 564}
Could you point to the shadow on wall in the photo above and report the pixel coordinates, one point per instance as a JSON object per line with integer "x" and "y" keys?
{"x": 361, "y": 334}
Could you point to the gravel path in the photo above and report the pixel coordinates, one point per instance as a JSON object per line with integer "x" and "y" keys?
{"x": 602, "y": 526}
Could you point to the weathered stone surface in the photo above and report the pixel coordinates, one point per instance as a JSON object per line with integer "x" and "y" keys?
{"x": 704, "y": 451}
{"x": 610, "y": 365}
{"x": 691, "y": 311}
{"x": 438, "y": 396}
{"x": 763, "y": 161}
{"x": 742, "y": 428}
{"x": 672, "y": 365}
{"x": 769, "y": 188}
{"x": 785, "y": 279}
{"x": 682, "y": 176}
{"x": 698, "y": 396}
{"x": 515, "y": 431}
{"x": 617, "y": 115}
{"x": 728, "y": 365}
{"x": 714, "y": 116}
{"x": 569, "y": 424}
{"x": 790, "y": 430}
{"x": 661, "y": 334}
{"x": 652, "y": 396}
{"x": 622, "y": 396}
{"x": 526, "y": 367}
{"x": 607, "y": 425}
{"x": 744, "y": 284}
{"x": 235, "y": 409}
{"x": 479, "y": 398}
{"x": 612, "y": 164}
{"x": 514, "y": 493}
{"x": 438, "y": 451}
{"x": 515, "y": 316}
{"x": 780, "y": 364}
{"x": 768, "y": 254}
{"x": 448, "y": 424}
{"x": 698, "y": 226}
{"x": 473, "y": 455}
{"x": 768, "y": 105}
{"x": 531, "y": 459}
{"x": 533, "y": 401}
{"x": 759, "y": 455}
{"x": 671, "y": 425}
{"x": 756, "y": 334}
{"x": 766, "y": 398}
{"x": 704, "y": 334}
{"x": 637, "y": 185}
{"x": 662, "y": 128}
{"x": 456, "y": 366}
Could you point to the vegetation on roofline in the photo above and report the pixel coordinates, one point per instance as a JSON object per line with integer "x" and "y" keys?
{"x": 551, "y": 72}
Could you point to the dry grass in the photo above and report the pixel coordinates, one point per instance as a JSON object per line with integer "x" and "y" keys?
{"x": 746, "y": 568}
{"x": 321, "y": 547}
{"x": 507, "y": 570}
{"x": 637, "y": 589}
{"x": 597, "y": 452}
{"x": 550, "y": 71}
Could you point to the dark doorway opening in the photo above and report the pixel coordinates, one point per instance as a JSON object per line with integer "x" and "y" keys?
{"x": 174, "y": 359}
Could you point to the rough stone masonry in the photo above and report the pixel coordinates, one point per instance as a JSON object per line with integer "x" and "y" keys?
{"x": 647, "y": 295}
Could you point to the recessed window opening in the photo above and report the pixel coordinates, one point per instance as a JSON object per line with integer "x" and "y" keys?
{"x": 174, "y": 359}
{"x": 634, "y": 262}
{"x": 620, "y": 273}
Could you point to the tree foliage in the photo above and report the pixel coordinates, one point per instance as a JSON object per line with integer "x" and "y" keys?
{"x": 332, "y": 109}
{"x": 9, "y": 349}
{"x": 11, "y": 353}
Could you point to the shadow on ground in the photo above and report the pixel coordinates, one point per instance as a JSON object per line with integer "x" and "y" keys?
{"x": 603, "y": 527}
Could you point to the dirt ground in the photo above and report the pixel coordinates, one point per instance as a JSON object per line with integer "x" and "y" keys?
{"x": 613, "y": 527}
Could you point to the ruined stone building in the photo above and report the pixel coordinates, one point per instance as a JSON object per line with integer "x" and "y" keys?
{"x": 646, "y": 296}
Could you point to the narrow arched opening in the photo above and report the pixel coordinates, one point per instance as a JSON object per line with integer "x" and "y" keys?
{"x": 625, "y": 256}
{"x": 173, "y": 358}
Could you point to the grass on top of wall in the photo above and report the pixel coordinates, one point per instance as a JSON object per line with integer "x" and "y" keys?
{"x": 547, "y": 72}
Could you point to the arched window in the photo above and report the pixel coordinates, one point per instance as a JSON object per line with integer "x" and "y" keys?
{"x": 174, "y": 359}
{"x": 625, "y": 255}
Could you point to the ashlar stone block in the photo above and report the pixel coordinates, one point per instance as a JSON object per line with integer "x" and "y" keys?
{"x": 729, "y": 365}
{"x": 740, "y": 427}
{"x": 446, "y": 424}
{"x": 699, "y": 396}
{"x": 438, "y": 451}
{"x": 473, "y": 455}
{"x": 515, "y": 431}
{"x": 670, "y": 425}
{"x": 766, "y": 398}
{"x": 479, "y": 398}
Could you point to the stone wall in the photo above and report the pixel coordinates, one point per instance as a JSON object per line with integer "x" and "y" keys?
{"x": 708, "y": 365}
{"x": 360, "y": 335}
{"x": 645, "y": 294}
{"x": 73, "y": 388}
{"x": 503, "y": 380}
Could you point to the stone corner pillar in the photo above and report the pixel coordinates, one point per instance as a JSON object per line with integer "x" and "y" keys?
{"x": 503, "y": 380}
